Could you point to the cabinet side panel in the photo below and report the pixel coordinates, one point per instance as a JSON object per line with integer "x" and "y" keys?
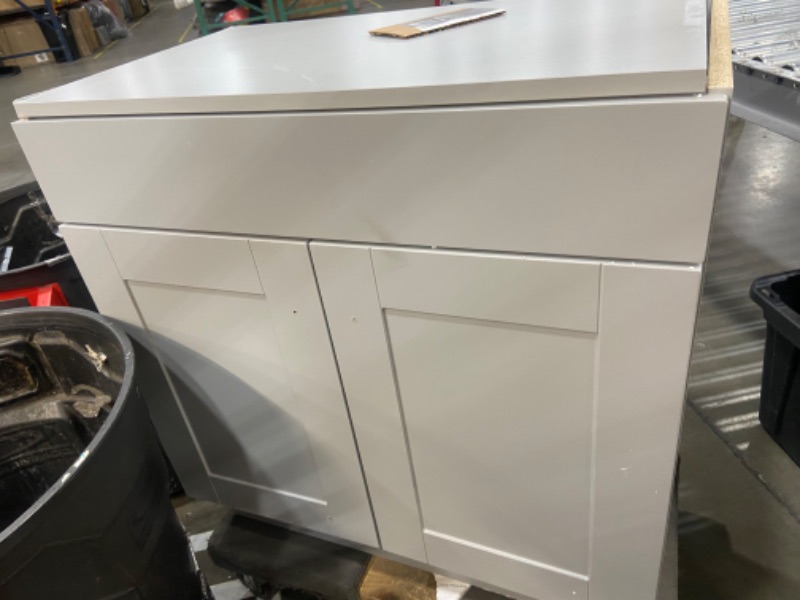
{"x": 299, "y": 323}
{"x": 349, "y": 295}
{"x": 647, "y": 321}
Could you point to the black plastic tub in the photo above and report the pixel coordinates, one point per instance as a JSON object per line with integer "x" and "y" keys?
{"x": 779, "y": 410}
{"x": 84, "y": 504}
{"x": 32, "y": 254}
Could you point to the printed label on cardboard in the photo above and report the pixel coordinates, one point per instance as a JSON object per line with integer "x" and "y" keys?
{"x": 438, "y": 22}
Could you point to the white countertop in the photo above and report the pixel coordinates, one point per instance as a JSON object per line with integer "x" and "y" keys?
{"x": 539, "y": 50}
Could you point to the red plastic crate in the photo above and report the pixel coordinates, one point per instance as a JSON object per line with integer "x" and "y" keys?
{"x": 46, "y": 295}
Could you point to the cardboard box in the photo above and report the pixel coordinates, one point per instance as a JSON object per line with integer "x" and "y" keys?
{"x": 82, "y": 29}
{"x": 24, "y": 35}
{"x": 114, "y": 7}
{"x": 138, "y": 9}
{"x": 439, "y": 22}
{"x": 9, "y": 6}
{"x": 5, "y": 48}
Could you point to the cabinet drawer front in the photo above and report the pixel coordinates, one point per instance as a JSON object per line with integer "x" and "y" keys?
{"x": 211, "y": 262}
{"x": 618, "y": 179}
{"x": 512, "y": 289}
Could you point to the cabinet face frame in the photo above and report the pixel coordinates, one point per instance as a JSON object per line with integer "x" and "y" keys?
{"x": 644, "y": 325}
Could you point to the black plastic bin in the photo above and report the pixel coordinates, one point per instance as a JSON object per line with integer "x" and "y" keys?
{"x": 779, "y": 412}
{"x": 84, "y": 508}
{"x": 39, "y": 257}
{"x": 32, "y": 253}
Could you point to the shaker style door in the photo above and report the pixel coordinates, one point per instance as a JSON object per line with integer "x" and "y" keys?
{"x": 503, "y": 436}
{"x": 239, "y": 327}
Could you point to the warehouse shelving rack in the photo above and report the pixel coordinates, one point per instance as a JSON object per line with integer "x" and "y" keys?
{"x": 292, "y": 9}
{"x": 262, "y": 14}
{"x": 765, "y": 39}
{"x": 48, "y": 18}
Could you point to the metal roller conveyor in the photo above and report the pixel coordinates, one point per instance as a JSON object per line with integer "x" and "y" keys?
{"x": 765, "y": 41}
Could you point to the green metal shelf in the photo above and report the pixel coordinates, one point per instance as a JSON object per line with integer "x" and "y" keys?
{"x": 268, "y": 13}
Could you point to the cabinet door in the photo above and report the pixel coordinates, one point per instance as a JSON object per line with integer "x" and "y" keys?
{"x": 517, "y": 416}
{"x": 241, "y": 332}
{"x": 108, "y": 289}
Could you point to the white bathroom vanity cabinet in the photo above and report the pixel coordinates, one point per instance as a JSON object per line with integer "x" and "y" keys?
{"x": 432, "y": 297}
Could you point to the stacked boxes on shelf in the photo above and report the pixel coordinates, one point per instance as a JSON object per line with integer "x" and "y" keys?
{"x": 22, "y": 35}
{"x": 88, "y": 26}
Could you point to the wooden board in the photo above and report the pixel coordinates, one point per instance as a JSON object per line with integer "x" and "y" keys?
{"x": 389, "y": 580}
{"x": 720, "y": 64}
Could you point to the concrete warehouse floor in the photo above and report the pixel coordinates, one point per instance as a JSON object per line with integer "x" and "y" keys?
{"x": 739, "y": 495}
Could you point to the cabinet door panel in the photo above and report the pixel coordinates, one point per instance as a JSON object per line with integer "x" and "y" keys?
{"x": 109, "y": 291}
{"x": 348, "y": 290}
{"x": 222, "y": 346}
{"x": 287, "y": 276}
{"x": 511, "y": 289}
{"x": 496, "y": 414}
{"x": 499, "y": 422}
{"x": 212, "y": 262}
{"x": 539, "y": 399}
{"x": 253, "y": 372}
